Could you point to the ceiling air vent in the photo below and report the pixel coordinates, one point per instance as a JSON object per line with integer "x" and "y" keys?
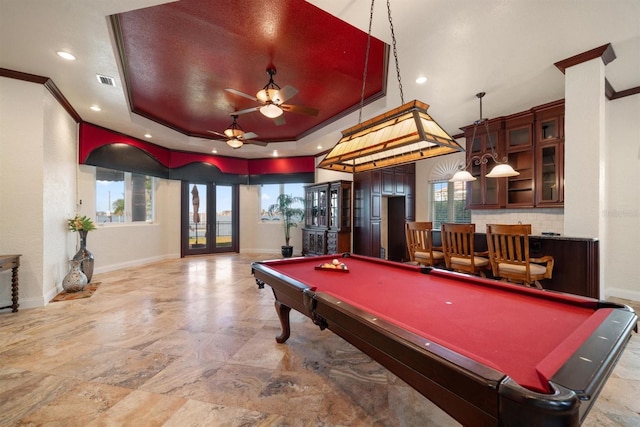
{"x": 109, "y": 81}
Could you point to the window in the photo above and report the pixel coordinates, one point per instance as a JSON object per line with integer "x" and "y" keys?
{"x": 269, "y": 194}
{"x": 448, "y": 203}
{"x": 123, "y": 197}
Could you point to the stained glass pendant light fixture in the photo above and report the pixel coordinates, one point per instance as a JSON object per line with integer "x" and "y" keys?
{"x": 501, "y": 170}
{"x": 403, "y": 135}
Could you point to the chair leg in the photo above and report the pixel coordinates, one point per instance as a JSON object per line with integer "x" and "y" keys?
{"x": 538, "y": 285}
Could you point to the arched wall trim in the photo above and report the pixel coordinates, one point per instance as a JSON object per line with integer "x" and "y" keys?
{"x": 127, "y": 158}
{"x": 103, "y": 147}
{"x": 204, "y": 172}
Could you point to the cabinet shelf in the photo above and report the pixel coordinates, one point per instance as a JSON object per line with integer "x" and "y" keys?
{"x": 519, "y": 178}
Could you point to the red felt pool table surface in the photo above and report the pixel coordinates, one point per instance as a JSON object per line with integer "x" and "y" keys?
{"x": 526, "y": 333}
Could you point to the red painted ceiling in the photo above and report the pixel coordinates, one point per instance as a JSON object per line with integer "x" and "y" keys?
{"x": 179, "y": 57}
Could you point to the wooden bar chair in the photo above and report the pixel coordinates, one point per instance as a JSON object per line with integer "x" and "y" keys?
{"x": 509, "y": 255}
{"x": 459, "y": 254}
{"x": 420, "y": 244}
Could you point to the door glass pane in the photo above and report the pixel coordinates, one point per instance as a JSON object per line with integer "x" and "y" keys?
{"x": 491, "y": 194}
{"x": 224, "y": 211}
{"x": 197, "y": 216}
{"x": 549, "y": 129}
{"x": 518, "y": 137}
{"x": 549, "y": 180}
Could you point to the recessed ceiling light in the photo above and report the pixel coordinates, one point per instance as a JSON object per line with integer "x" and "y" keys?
{"x": 66, "y": 55}
{"x": 421, "y": 80}
{"x": 214, "y": 151}
{"x": 275, "y": 153}
{"x": 147, "y": 135}
{"x": 319, "y": 147}
{"x": 95, "y": 108}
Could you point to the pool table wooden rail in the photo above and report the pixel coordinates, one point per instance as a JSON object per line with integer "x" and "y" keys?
{"x": 471, "y": 392}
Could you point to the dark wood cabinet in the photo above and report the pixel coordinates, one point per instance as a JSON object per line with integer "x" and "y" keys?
{"x": 532, "y": 142}
{"x": 327, "y": 227}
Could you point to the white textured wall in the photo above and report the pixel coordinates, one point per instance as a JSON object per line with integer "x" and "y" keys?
{"x": 621, "y": 213}
{"x": 59, "y": 189}
{"x": 37, "y": 158}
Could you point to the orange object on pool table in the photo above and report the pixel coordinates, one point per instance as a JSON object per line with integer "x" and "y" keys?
{"x": 487, "y": 352}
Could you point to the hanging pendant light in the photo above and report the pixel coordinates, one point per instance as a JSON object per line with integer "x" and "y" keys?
{"x": 403, "y": 135}
{"x": 501, "y": 170}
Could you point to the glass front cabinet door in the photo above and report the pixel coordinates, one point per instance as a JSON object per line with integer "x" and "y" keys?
{"x": 550, "y": 155}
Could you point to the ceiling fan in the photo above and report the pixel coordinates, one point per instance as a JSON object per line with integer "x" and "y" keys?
{"x": 272, "y": 99}
{"x": 236, "y": 137}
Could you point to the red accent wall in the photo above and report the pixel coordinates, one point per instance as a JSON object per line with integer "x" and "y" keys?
{"x": 282, "y": 165}
{"x": 93, "y": 137}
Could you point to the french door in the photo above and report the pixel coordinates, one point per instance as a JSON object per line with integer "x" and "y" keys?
{"x": 209, "y": 218}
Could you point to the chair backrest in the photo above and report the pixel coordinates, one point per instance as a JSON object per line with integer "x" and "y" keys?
{"x": 509, "y": 244}
{"x": 419, "y": 238}
{"x": 457, "y": 242}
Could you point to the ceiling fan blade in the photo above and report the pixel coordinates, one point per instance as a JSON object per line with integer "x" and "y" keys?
{"x": 299, "y": 109}
{"x": 217, "y": 133}
{"x": 245, "y": 111}
{"x": 248, "y": 135}
{"x": 260, "y": 143}
{"x": 285, "y": 93}
{"x": 242, "y": 94}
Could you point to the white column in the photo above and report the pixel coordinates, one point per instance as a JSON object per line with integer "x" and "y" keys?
{"x": 585, "y": 153}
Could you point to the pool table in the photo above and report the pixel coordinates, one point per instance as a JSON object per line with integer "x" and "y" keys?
{"x": 486, "y": 352}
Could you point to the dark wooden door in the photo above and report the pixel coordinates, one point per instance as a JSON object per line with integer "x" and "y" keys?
{"x": 396, "y": 235}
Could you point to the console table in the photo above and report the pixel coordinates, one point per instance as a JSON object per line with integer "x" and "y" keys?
{"x": 11, "y": 262}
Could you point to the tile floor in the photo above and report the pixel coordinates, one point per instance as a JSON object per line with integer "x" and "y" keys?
{"x": 190, "y": 342}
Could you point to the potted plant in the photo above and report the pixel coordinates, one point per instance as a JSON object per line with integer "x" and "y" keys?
{"x": 290, "y": 214}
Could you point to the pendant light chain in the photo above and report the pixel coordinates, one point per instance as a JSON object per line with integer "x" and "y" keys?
{"x": 395, "y": 52}
{"x": 366, "y": 63}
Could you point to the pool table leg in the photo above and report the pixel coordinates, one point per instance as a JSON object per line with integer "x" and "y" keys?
{"x": 283, "y": 314}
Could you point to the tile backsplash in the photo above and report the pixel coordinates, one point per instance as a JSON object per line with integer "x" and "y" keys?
{"x": 541, "y": 220}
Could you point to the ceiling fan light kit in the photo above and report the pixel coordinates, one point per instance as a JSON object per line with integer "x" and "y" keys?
{"x": 403, "y": 135}
{"x": 271, "y": 110}
{"x": 236, "y": 137}
{"x": 269, "y": 95}
{"x": 234, "y": 143}
{"x": 273, "y": 98}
